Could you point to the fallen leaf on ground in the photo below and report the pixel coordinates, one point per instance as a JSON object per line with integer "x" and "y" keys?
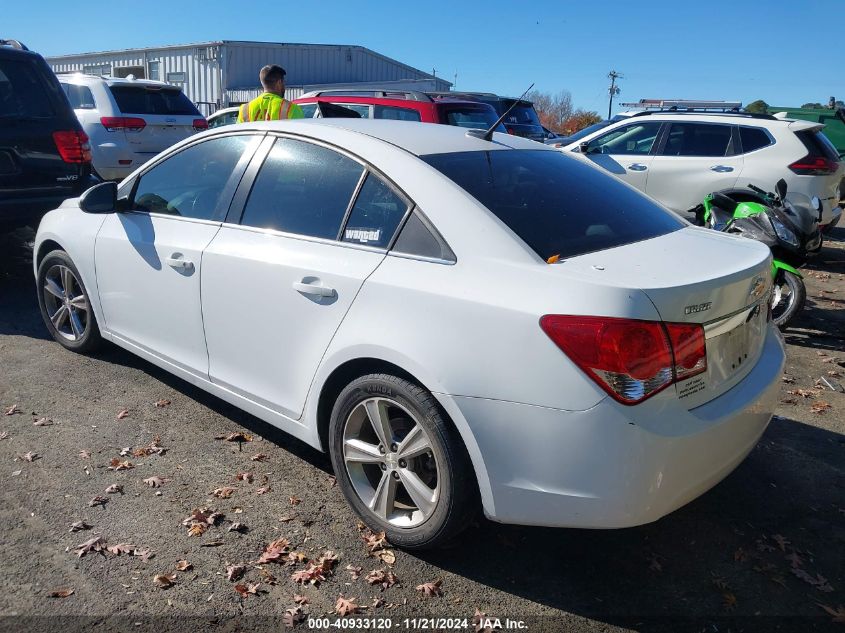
{"x": 237, "y": 527}
{"x": 328, "y": 560}
{"x": 98, "y": 501}
{"x": 259, "y": 457}
{"x": 235, "y": 437}
{"x": 156, "y": 482}
{"x": 224, "y": 493}
{"x": 346, "y": 606}
{"x": 729, "y": 601}
{"x": 820, "y": 407}
{"x": 298, "y": 599}
{"x": 295, "y": 558}
{"x": 161, "y": 403}
{"x": 121, "y": 548}
{"x": 355, "y": 572}
{"x": 96, "y": 544}
{"x": 29, "y": 456}
{"x": 43, "y": 422}
{"x": 293, "y": 616}
{"x": 61, "y": 593}
{"x": 164, "y": 581}
{"x": 245, "y": 590}
{"x": 294, "y": 500}
{"x": 114, "y": 489}
{"x": 183, "y": 565}
{"x": 84, "y": 454}
{"x": 332, "y": 480}
{"x": 235, "y": 572}
{"x": 804, "y": 393}
{"x": 431, "y": 589}
{"x": 274, "y": 551}
{"x": 818, "y": 581}
{"x": 838, "y": 613}
{"x": 76, "y": 526}
{"x": 386, "y": 556}
{"x": 12, "y": 410}
{"x": 123, "y": 413}
{"x": 247, "y": 477}
{"x": 204, "y": 515}
{"x": 263, "y": 490}
{"x": 313, "y": 574}
{"x": 385, "y": 578}
{"x": 197, "y": 529}
{"x": 787, "y": 379}
{"x": 115, "y": 464}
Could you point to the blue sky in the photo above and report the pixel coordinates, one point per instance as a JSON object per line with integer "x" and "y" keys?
{"x": 786, "y": 53}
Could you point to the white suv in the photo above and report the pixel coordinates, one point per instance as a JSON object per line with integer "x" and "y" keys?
{"x": 679, "y": 157}
{"x": 129, "y": 120}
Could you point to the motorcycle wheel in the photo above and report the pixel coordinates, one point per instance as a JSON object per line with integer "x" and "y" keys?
{"x": 788, "y": 297}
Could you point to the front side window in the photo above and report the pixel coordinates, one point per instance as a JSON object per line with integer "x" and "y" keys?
{"x": 302, "y": 188}
{"x": 555, "y": 204}
{"x": 698, "y": 139}
{"x": 634, "y": 139}
{"x": 377, "y": 212}
{"x": 395, "y": 114}
{"x": 189, "y": 183}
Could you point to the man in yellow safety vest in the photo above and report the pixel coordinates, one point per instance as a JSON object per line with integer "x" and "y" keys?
{"x": 271, "y": 105}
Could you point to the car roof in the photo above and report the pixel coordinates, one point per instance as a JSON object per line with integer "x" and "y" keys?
{"x": 78, "y": 77}
{"x": 417, "y": 138}
{"x": 398, "y": 102}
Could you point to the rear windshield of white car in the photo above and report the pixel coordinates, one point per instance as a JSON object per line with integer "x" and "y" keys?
{"x": 145, "y": 100}
{"x": 556, "y": 204}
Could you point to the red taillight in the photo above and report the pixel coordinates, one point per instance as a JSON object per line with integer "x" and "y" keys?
{"x": 200, "y": 124}
{"x": 814, "y": 166}
{"x": 630, "y": 359}
{"x": 73, "y": 146}
{"x": 126, "y": 123}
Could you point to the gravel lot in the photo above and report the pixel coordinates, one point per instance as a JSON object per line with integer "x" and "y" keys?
{"x": 764, "y": 550}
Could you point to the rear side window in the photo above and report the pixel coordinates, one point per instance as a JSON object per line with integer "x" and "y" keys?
{"x": 308, "y": 110}
{"x": 396, "y": 114}
{"x": 22, "y": 91}
{"x": 189, "y": 183}
{"x": 698, "y": 139}
{"x": 556, "y": 204}
{"x": 302, "y": 188}
{"x": 80, "y": 97}
{"x": 143, "y": 100}
{"x": 377, "y": 212}
{"x": 753, "y": 138}
{"x": 817, "y": 144}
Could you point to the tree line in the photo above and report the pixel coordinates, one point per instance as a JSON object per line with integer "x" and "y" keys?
{"x": 557, "y": 113}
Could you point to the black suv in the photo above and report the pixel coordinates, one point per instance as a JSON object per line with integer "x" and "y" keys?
{"x": 521, "y": 121}
{"x": 44, "y": 154}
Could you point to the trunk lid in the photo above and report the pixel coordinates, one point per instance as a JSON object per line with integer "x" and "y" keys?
{"x": 167, "y": 113}
{"x": 697, "y": 276}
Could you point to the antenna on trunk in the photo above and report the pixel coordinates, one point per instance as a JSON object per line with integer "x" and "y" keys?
{"x": 487, "y": 135}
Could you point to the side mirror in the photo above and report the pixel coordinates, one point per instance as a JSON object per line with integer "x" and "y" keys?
{"x": 583, "y": 147}
{"x": 100, "y": 198}
{"x": 780, "y": 187}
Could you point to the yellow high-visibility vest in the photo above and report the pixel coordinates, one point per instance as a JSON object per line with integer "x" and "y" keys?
{"x": 269, "y": 107}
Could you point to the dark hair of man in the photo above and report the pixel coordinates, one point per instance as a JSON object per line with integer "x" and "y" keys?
{"x": 270, "y": 74}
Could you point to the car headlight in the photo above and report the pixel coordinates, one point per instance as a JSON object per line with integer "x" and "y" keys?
{"x": 784, "y": 232}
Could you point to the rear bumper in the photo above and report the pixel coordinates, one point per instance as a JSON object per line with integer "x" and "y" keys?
{"x": 602, "y": 468}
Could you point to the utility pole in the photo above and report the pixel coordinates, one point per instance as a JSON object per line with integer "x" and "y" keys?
{"x": 613, "y": 90}
{"x": 455, "y": 84}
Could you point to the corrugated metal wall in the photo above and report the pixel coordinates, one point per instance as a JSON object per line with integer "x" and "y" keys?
{"x": 217, "y": 74}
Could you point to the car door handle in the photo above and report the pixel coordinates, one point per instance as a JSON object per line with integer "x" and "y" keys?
{"x": 721, "y": 168}
{"x": 313, "y": 289}
{"x": 637, "y": 167}
{"x": 178, "y": 262}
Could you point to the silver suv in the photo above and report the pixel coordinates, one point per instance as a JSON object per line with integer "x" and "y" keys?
{"x": 129, "y": 120}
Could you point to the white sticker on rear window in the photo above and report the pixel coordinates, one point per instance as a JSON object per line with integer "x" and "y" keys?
{"x": 362, "y": 235}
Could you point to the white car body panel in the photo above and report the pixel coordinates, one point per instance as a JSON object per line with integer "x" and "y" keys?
{"x": 547, "y": 444}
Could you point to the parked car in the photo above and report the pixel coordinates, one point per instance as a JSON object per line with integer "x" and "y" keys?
{"x": 563, "y": 141}
{"x": 453, "y": 319}
{"x": 44, "y": 154}
{"x": 224, "y": 116}
{"x": 397, "y": 106}
{"x": 129, "y": 120}
{"x": 521, "y": 121}
{"x": 678, "y": 157}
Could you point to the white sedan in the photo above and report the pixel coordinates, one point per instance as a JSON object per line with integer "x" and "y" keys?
{"x": 457, "y": 321}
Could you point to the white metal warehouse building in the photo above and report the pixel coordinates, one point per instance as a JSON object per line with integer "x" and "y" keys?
{"x": 219, "y": 74}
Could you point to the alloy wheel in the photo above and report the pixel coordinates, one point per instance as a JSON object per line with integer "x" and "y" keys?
{"x": 66, "y": 303}
{"x": 391, "y": 462}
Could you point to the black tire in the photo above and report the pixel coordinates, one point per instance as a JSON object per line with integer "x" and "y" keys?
{"x": 457, "y": 501}
{"x": 90, "y": 338}
{"x": 797, "y": 296}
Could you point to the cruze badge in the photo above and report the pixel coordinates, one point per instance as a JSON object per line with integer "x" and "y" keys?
{"x": 700, "y": 307}
{"x": 758, "y": 287}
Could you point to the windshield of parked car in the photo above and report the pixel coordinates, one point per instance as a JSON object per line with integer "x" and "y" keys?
{"x": 146, "y": 100}
{"x": 523, "y": 113}
{"x": 555, "y": 203}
